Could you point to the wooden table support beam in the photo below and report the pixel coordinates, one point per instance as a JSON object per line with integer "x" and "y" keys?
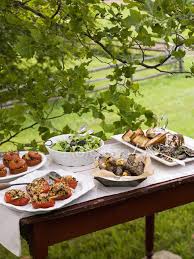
{"x": 149, "y": 236}
{"x": 39, "y": 242}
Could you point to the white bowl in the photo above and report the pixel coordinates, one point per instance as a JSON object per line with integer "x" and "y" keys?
{"x": 71, "y": 158}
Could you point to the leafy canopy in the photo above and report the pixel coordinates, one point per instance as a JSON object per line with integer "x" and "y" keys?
{"x": 47, "y": 46}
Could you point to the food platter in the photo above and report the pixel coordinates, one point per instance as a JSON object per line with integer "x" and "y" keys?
{"x": 188, "y": 143}
{"x": 30, "y": 169}
{"x": 114, "y": 171}
{"x": 85, "y": 184}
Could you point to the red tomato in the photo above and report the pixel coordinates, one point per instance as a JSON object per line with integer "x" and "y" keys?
{"x": 45, "y": 187}
{"x": 69, "y": 180}
{"x": 43, "y": 205}
{"x": 17, "y": 202}
{"x": 32, "y": 158}
{"x": 72, "y": 183}
{"x": 63, "y": 197}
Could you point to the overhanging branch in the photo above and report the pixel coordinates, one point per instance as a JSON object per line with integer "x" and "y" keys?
{"x": 28, "y": 8}
{"x": 58, "y": 9}
{"x": 28, "y": 127}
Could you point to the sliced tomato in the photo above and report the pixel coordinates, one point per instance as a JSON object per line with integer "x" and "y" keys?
{"x": 58, "y": 180}
{"x": 17, "y": 202}
{"x": 32, "y": 158}
{"x": 45, "y": 187}
{"x": 43, "y": 205}
{"x": 70, "y": 181}
{"x": 63, "y": 197}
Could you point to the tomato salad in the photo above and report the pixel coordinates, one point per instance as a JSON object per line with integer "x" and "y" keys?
{"x": 40, "y": 194}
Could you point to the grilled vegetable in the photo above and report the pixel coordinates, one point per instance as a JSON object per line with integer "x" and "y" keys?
{"x": 42, "y": 200}
{"x": 32, "y": 158}
{"x": 122, "y": 167}
{"x": 68, "y": 180}
{"x": 38, "y": 186}
{"x": 60, "y": 191}
{"x": 16, "y": 197}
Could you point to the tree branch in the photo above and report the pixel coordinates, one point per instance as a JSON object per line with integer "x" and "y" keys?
{"x": 58, "y": 9}
{"x": 142, "y": 51}
{"x": 162, "y": 62}
{"x": 27, "y": 1}
{"x": 81, "y": 42}
{"x": 88, "y": 34}
{"x": 14, "y": 135}
{"x": 172, "y": 72}
{"x": 28, "y": 8}
{"x": 28, "y": 127}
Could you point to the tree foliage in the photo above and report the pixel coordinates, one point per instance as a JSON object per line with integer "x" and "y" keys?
{"x": 47, "y": 46}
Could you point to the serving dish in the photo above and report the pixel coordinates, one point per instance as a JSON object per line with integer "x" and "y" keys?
{"x": 85, "y": 184}
{"x": 188, "y": 143}
{"x": 130, "y": 172}
{"x": 30, "y": 169}
{"x": 71, "y": 158}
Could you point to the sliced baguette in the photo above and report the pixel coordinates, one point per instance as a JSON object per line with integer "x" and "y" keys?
{"x": 127, "y": 136}
{"x": 140, "y": 141}
{"x": 139, "y": 132}
{"x": 159, "y": 139}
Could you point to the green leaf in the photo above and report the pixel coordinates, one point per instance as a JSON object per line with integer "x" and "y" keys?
{"x": 133, "y": 18}
{"x": 178, "y": 54}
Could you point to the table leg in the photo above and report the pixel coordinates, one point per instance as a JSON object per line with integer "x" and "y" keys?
{"x": 39, "y": 242}
{"x": 149, "y": 236}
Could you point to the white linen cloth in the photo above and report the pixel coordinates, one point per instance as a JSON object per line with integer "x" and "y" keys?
{"x": 9, "y": 219}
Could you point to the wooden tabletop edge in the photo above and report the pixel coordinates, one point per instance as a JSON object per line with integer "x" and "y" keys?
{"x": 107, "y": 200}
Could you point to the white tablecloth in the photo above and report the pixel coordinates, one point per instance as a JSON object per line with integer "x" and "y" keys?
{"x": 9, "y": 219}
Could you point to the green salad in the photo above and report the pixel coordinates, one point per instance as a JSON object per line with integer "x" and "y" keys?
{"x": 77, "y": 143}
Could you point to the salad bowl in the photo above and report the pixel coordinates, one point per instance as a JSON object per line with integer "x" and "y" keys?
{"x": 72, "y": 157}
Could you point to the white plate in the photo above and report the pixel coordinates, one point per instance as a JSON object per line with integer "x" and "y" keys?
{"x": 10, "y": 177}
{"x": 188, "y": 142}
{"x": 85, "y": 184}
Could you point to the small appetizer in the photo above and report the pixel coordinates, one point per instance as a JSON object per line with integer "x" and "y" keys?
{"x": 3, "y": 170}
{"x": 132, "y": 166}
{"x": 9, "y": 156}
{"x": 32, "y": 158}
{"x": 16, "y": 197}
{"x": 60, "y": 191}
{"x": 37, "y": 186}
{"x": 42, "y": 200}
{"x": 69, "y": 180}
{"x": 17, "y": 165}
{"x": 174, "y": 140}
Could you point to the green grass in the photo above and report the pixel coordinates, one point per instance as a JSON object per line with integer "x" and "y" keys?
{"x": 173, "y": 95}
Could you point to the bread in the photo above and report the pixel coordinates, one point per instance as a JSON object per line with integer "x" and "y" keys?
{"x": 159, "y": 139}
{"x": 139, "y": 132}
{"x": 32, "y": 158}
{"x": 19, "y": 170}
{"x": 140, "y": 141}
{"x": 128, "y": 135}
{"x": 17, "y": 166}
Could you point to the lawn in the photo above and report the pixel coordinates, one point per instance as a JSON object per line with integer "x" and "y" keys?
{"x": 174, "y": 96}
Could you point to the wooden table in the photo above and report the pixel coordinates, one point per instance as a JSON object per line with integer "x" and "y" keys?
{"x": 45, "y": 230}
